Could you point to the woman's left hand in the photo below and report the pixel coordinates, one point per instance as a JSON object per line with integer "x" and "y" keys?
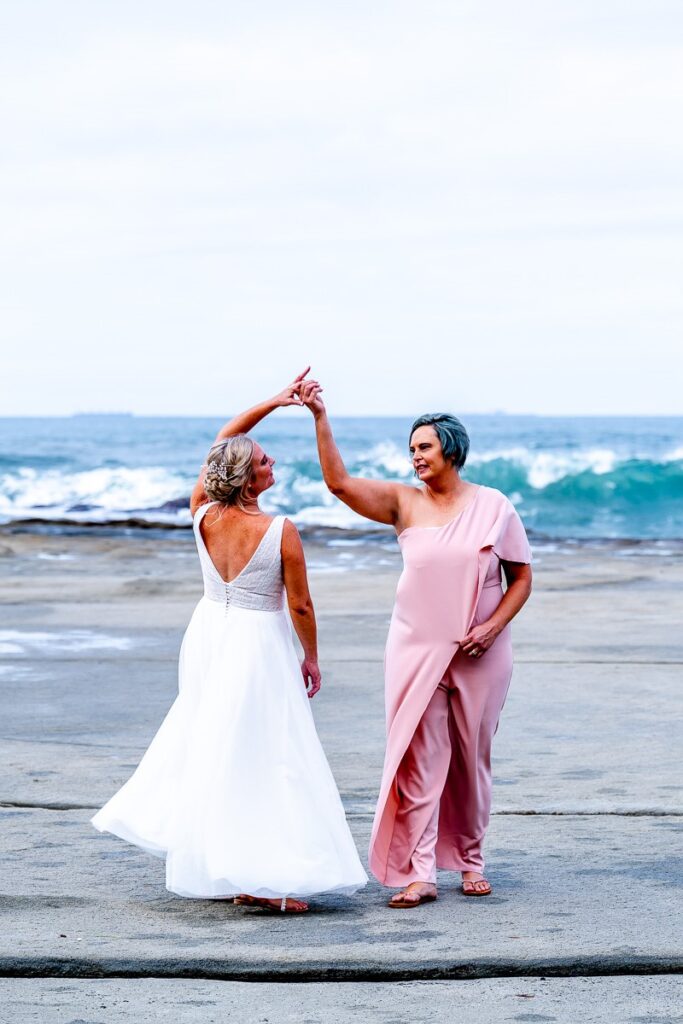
{"x": 479, "y": 639}
{"x": 290, "y": 394}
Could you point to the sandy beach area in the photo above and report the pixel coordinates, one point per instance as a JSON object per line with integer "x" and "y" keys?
{"x": 587, "y": 807}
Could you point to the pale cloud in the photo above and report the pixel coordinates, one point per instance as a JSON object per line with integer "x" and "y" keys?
{"x": 471, "y": 204}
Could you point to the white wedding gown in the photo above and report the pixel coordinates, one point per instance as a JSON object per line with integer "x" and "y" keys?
{"x": 235, "y": 790}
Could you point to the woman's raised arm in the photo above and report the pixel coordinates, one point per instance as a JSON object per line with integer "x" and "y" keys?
{"x": 375, "y": 499}
{"x": 246, "y": 421}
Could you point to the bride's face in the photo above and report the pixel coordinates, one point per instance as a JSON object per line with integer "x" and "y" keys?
{"x": 261, "y": 471}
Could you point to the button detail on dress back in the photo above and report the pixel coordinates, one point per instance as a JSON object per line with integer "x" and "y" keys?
{"x": 259, "y": 586}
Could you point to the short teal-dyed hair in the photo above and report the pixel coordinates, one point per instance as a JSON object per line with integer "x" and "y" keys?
{"x": 455, "y": 441}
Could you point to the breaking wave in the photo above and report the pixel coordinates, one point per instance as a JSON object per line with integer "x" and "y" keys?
{"x": 583, "y": 492}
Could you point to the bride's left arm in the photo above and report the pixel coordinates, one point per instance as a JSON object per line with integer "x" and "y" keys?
{"x": 246, "y": 421}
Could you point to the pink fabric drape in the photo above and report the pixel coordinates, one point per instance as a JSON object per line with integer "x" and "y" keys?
{"x": 438, "y": 594}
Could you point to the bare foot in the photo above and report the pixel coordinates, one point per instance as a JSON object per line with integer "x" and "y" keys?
{"x": 291, "y": 906}
{"x": 413, "y": 895}
{"x": 474, "y": 884}
{"x": 288, "y": 906}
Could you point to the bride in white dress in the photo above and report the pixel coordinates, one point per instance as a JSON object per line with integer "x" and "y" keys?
{"x": 235, "y": 790}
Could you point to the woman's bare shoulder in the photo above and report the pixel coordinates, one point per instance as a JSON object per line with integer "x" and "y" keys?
{"x": 291, "y": 538}
{"x": 408, "y": 494}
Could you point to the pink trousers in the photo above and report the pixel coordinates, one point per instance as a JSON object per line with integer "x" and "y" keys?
{"x": 450, "y": 749}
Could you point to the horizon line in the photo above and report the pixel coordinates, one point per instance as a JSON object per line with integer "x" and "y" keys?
{"x": 122, "y": 414}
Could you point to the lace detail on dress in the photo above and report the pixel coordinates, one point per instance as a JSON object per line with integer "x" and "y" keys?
{"x": 259, "y": 586}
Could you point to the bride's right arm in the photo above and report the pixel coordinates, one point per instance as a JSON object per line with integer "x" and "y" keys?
{"x": 246, "y": 421}
{"x": 243, "y": 423}
{"x": 378, "y": 500}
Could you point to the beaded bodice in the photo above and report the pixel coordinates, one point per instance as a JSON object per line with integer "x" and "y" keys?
{"x": 259, "y": 586}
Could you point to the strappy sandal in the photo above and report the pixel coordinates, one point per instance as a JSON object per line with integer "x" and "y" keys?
{"x": 244, "y": 900}
{"x": 476, "y": 892}
{"x": 422, "y": 897}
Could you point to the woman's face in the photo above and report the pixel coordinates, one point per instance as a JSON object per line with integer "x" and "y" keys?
{"x": 261, "y": 471}
{"x": 425, "y": 451}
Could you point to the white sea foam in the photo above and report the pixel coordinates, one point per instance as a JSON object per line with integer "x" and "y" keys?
{"x": 337, "y": 515}
{"x": 347, "y": 542}
{"x": 676, "y": 455}
{"x": 541, "y": 467}
{"x": 115, "y": 490}
{"x": 385, "y": 459}
{"x": 18, "y": 671}
{"x": 22, "y": 642}
{"x": 119, "y": 493}
{"x": 547, "y": 467}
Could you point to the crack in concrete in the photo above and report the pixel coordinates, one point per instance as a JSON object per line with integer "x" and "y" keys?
{"x": 644, "y": 812}
{"x": 172, "y": 659}
{"x": 54, "y": 806}
{"x": 560, "y": 967}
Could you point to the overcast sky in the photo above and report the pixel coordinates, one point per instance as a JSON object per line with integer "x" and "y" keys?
{"x": 474, "y": 206}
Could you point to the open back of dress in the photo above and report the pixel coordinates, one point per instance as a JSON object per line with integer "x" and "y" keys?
{"x": 235, "y": 790}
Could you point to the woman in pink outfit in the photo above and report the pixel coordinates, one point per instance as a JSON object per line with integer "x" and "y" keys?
{"x": 448, "y": 660}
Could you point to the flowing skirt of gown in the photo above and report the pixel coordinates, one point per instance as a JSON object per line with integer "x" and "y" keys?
{"x": 235, "y": 789}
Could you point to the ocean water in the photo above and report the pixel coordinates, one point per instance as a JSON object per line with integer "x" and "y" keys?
{"x": 570, "y": 478}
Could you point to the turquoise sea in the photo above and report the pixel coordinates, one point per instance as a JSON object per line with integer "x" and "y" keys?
{"x": 571, "y": 478}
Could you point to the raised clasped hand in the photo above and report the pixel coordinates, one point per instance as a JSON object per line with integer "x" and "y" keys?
{"x": 479, "y": 639}
{"x": 291, "y": 395}
{"x": 310, "y": 396}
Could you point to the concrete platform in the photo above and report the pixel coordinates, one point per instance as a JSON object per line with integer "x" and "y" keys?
{"x": 642, "y": 1000}
{"x": 571, "y": 895}
{"x": 583, "y": 850}
{"x": 598, "y": 738}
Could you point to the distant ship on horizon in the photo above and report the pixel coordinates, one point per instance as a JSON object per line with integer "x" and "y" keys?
{"x": 82, "y": 415}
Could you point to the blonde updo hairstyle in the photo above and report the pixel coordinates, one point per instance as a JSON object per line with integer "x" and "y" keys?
{"x": 228, "y": 470}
